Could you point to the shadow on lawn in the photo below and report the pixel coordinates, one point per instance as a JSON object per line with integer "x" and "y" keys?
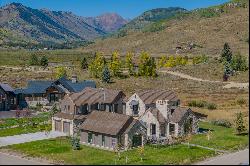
{"x": 203, "y": 130}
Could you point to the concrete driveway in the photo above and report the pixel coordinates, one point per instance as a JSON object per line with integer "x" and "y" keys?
{"x": 18, "y": 139}
{"x": 237, "y": 158}
{"x": 6, "y": 159}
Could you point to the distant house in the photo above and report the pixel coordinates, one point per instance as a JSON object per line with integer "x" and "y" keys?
{"x": 160, "y": 111}
{"x": 7, "y": 97}
{"x": 48, "y": 92}
{"x": 108, "y": 130}
{"x": 74, "y": 107}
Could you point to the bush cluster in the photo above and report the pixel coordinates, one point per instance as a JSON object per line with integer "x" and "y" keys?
{"x": 202, "y": 104}
{"x": 224, "y": 123}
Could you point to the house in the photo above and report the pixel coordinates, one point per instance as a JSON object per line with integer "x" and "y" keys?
{"x": 109, "y": 130}
{"x": 75, "y": 106}
{"x": 161, "y": 113}
{"x": 7, "y": 97}
{"x": 47, "y": 92}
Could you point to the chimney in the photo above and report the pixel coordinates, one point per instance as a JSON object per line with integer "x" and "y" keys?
{"x": 162, "y": 106}
{"x": 74, "y": 78}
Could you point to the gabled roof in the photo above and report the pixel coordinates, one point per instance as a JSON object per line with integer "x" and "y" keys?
{"x": 6, "y": 87}
{"x": 95, "y": 95}
{"x": 107, "y": 122}
{"x": 38, "y": 86}
{"x": 179, "y": 113}
{"x": 150, "y": 96}
{"x": 158, "y": 115}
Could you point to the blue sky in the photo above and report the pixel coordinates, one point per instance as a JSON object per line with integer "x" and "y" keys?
{"x": 126, "y": 8}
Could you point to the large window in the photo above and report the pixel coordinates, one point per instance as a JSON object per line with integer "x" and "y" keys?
{"x": 90, "y": 138}
{"x": 153, "y": 129}
{"x": 171, "y": 128}
{"x": 113, "y": 142}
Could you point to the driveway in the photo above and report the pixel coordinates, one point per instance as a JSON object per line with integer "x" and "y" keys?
{"x": 237, "y": 158}
{"x": 17, "y": 139}
{"x": 6, "y": 159}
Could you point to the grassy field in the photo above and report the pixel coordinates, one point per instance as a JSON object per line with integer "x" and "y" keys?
{"x": 59, "y": 150}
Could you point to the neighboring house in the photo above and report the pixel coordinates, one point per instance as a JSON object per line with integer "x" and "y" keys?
{"x": 82, "y": 103}
{"x": 49, "y": 92}
{"x": 111, "y": 130}
{"x": 7, "y": 98}
{"x": 159, "y": 110}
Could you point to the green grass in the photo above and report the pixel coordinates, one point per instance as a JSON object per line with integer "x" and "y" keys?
{"x": 22, "y": 130}
{"x": 222, "y": 138}
{"x": 9, "y": 122}
{"x": 60, "y": 150}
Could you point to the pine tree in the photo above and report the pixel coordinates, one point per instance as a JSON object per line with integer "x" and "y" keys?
{"x": 33, "y": 60}
{"x": 240, "y": 127}
{"x": 226, "y": 54}
{"x": 44, "y": 61}
{"x": 106, "y": 74}
{"x": 84, "y": 63}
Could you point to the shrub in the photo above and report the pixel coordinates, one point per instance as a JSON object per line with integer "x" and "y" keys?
{"x": 239, "y": 63}
{"x": 198, "y": 103}
{"x": 241, "y": 101}
{"x": 211, "y": 106}
{"x": 224, "y": 123}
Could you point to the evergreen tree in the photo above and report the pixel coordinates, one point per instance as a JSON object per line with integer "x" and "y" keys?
{"x": 115, "y": 64}
{"x": 106, "y": 74}
{"x": 226, "y": 54}
{"x": 44, "y": 61}
{"x": 84, "y": 64}
{"x": 33, "y": 60}
{"x": 240, "y": 127}
{"x": 129, "y": 63}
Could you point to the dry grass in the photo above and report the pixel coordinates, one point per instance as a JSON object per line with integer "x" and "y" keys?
{"x": 210, "y": 33}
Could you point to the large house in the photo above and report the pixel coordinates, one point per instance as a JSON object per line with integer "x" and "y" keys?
{"x": 7, "y": 97}
{"x": 76, "y": 106}
{"x": 48, "y": 92}
{"x": 160, "y": 111}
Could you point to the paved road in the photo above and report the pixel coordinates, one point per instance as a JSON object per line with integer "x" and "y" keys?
{"x": 228, "y": 84}
{"x": 6, "y": 159}
{"x": 237, "y": 158}
{"x": 17, "y": 139}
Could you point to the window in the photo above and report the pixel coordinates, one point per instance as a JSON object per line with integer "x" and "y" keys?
{"x": 172, "y": 111}
{"x": 102, "y": 107}
{"x": 113, "y": 142}
{"x": 116, "y": 108}
{"x": 171, "y": 128}
{"x": 103, "y": 140}
{"x": 135, "y": 109}
{"x": 90, "y": 138}
{"x": 153, "y": 129}
{"x": 68, "y": 107}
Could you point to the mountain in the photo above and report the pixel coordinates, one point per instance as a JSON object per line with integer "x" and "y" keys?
{"x": 108, "y": 22}
{"x": 45, "y": 26}
{"x": 152, "y": 16}
{"x": 201, "y": 31}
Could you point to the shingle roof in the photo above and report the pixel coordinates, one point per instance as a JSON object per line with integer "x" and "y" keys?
{"x": 106, "y": 122}
{"x": 69, "y": 116}
{"x": 37, "y": 86}
{"x": 95, "y": 95}
{"x": 178, "y": 114}
{"x": 6, "y": 87}
{"x": 158, "y": 115}
{"x": 150, "y": 96}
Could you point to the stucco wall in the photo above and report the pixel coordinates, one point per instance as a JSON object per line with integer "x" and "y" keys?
{"x": 148, "y": 118}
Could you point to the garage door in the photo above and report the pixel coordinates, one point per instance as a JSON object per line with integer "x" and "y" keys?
{"x": 58, "y": 125}
{"x": 66, "y": 127}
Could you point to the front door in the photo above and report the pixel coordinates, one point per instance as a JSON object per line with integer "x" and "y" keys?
{"x": 66, "y": 127}
{"x": 137, "y": 140}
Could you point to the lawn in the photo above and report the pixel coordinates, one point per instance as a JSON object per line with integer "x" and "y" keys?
{"x": 221, "y": 138}
{"x": 59, "y": 150}
{"x": 23, "y": 130}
